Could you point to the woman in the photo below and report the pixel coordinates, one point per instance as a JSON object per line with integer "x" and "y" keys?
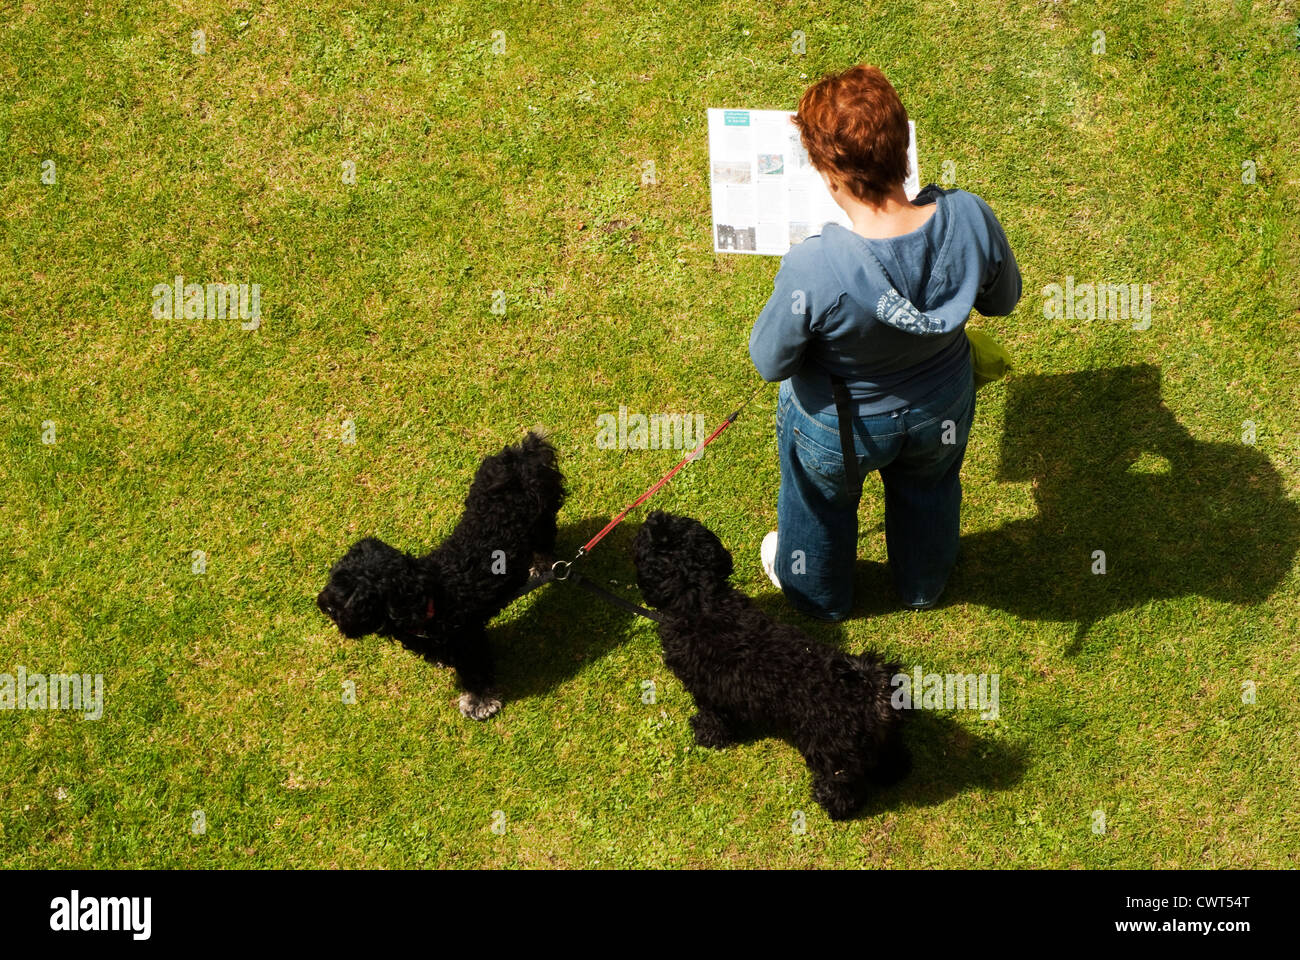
{"x": 875, "y": 316}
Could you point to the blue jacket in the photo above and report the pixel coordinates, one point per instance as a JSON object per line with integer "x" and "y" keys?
{"x": 886, "y": 315}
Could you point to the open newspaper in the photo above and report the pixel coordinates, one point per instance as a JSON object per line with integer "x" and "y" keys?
{"x": 766, "y": 195}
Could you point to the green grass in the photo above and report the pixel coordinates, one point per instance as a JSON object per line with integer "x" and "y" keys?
{"x": 521, "y": 172}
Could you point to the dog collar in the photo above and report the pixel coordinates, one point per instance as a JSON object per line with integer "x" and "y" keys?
{"x": 428, "y": 615}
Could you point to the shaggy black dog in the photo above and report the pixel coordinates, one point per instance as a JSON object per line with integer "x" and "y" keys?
{"x": 751, "y": 676}
{"x": 439, "y": 605}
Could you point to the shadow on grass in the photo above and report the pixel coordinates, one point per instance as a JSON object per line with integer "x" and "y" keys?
{"x": 1114, "y": 471}
{"x": 947, "y": 760}
{"x": 564, "y": 626}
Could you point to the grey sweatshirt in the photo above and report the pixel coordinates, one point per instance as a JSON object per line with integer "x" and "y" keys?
{"x": 891, "y": 325}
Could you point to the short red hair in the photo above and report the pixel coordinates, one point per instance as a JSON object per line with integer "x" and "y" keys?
{"x": 854, "y": 128}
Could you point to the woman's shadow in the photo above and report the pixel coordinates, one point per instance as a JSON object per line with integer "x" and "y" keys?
{"x": 1131, "y": 508}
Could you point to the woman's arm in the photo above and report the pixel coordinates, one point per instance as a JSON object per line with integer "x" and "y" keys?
{"x": 1001, "y": 289}
{"x": 784, "y": 327}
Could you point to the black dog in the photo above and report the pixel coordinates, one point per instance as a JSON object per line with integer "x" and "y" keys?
{"x": 752, "y": 676}
{"x": 439, "y": 605}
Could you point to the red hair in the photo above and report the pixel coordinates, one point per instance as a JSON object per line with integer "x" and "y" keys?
{"x": 854, "y": 128}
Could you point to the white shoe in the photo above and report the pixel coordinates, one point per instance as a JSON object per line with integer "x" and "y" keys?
{"x": 767, "y": 554}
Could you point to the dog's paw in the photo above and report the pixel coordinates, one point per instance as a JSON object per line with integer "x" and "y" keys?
{"x": 478, "y": 707}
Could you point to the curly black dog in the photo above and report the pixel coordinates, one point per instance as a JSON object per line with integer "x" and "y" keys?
{"x": 752, "y": 676}
{"x": 439, "y": 605}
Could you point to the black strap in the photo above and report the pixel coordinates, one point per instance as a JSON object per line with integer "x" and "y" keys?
{"x": 575, "y": 577}
{"x": 844, "y": 412}
{"x": 546, "y": 576}
{"x": 580, "y": 580}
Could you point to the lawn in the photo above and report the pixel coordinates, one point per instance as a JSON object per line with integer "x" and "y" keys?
{"x": 458, "y": 234}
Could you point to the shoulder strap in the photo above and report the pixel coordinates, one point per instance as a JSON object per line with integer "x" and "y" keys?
{"x": 844, "y": 413}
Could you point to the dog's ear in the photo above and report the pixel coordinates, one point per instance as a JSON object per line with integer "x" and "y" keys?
{"x": 654, "y": 525}
{"x": 652, "y": 539}
{"x": 408, "y": 598}
{"x": 373, "y": 552}
{"x": 708, "y": 552}
{"x": 402, "y": 591}
{"x": 658, "y": 566}
{"x": 723, "y": 565}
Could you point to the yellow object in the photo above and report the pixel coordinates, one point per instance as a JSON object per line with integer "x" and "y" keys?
{"x": 989, "y": 358}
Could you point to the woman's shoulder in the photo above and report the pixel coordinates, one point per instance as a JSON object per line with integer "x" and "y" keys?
{"x": 970, "y": 218}
{"x": 963, "y": 204}
{"x": 955, "y": 199}
{"x": 807, "y": 254}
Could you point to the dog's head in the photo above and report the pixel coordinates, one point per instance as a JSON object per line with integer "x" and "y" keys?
{"x": 374, "y": 588}
{"x": 679, "y": 562}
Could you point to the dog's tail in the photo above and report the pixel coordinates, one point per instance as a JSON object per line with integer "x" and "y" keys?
{"x": 877, "y": 681}
{"x": 538, "y": 466}
{"x": 537, "y": 445}
{"x": 884, "y": 721}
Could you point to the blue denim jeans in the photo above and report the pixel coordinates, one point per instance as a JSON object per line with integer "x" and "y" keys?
{"x": 918, "y": 451}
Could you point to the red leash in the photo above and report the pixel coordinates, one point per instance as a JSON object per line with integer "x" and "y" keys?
{"x": 561, "y": 567}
